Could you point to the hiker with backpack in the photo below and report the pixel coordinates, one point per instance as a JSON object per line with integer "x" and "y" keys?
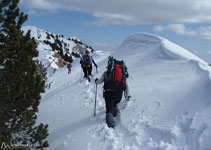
{"x": 86, "y": 64}
{"x": 69, "y": 66}
{"x": 114, "y": 84}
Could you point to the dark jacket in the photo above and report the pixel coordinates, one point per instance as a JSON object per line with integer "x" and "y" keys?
{"x": 102, "y": 78}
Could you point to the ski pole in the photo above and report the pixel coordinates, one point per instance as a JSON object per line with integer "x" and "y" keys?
{"x": 96, "y": 71}
{"x": 95, "y": 101}
{"x": 125, "y": 95}
{"x": 81, "y": 73}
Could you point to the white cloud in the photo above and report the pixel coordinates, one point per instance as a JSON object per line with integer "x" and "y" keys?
{"x": 158, "y": 28}
{"x": 38, "y": 4}
{"x": 203, "y": 32}
{"x": 181, "y": 29}
{"x": 133, "y": 11}
{"x": 36, "y": 13}
{"x": 113, "y": 16}
{"x": 101, "y": 44}
{"x": 177, "y": 28}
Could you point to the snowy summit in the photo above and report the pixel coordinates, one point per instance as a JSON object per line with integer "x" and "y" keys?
{"x": 169, "y": 110}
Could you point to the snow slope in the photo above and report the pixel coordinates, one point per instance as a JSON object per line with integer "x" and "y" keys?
{"x": 169, "y": 110}
{"x": 46, "y": 53}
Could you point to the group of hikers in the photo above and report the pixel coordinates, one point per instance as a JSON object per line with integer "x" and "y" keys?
{"x": 115, "y": 83}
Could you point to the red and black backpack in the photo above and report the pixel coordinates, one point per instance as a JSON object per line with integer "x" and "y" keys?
{"x": 69, "y": 66}
{"x": 115, "y": 77}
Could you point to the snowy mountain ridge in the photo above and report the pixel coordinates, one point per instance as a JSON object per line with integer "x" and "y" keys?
{"x": 51, "y": 45}
{"x": 167, "y": 47}
{"x": 169, "y": 110}
{"x": 155, "y": 46}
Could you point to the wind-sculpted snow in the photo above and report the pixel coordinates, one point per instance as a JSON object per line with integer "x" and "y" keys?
{"x": 138, "y": 40}
{"x": 140, "y": 43}
{"x": 169, "y": 109}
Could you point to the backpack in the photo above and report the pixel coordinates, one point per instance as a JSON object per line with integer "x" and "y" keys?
{"x": 69, "y": 66}
{"x": 87, "y": 60}
{"x": 115, "y": 77}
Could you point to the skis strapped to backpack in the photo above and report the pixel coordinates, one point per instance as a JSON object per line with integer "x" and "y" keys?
{"x": 115, "y": 77}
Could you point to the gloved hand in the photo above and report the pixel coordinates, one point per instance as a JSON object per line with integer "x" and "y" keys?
{"x": 96, "y": 80}
{"x": 96, "y": 66}
{"x": 127, "y": 98}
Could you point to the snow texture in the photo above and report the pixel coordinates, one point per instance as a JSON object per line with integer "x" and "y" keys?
{"x": 169, "y": 110}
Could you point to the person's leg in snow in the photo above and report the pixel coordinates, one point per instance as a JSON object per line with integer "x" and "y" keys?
{"x": 109, "y": 101}
{"x": 69, "y": 70}
{"x": 85, "y": 70}
{"x": 110, "y": 120}
{"x": 118, "y": 98}
{"x": 112, "y": 98}
{"x": 89, "y": 70}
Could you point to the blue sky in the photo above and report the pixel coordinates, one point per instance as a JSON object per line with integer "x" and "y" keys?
{"x": 104, "y": 24}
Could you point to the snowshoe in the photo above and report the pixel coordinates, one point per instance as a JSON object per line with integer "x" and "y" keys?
{"x": 110, "y": 120}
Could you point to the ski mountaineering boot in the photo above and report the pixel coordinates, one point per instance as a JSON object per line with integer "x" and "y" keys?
{"x": 89, "y": 78}
{"x": 110, "y": 120}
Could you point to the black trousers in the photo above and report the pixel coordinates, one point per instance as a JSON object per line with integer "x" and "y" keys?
{"x": 69, "y": 70}
{"x": 87, "y": 71}
{"x": 112, "y": 98}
